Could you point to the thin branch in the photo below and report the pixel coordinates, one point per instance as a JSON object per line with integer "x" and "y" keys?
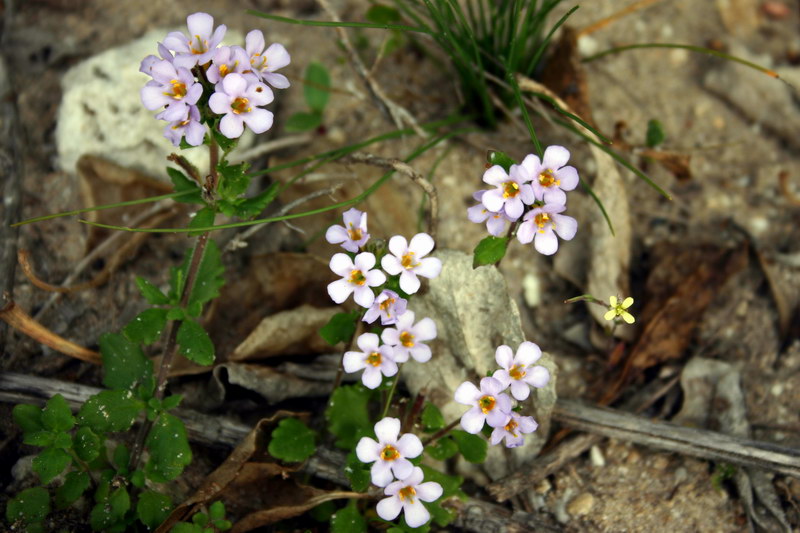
{"x": 271, "y": 146}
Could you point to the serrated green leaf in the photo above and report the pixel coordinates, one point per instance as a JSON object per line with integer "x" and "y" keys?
{"x": 86, "y": 444}
{"x": 171, "y": 402}
{"x": 194, "y": 343}
{"x": 184, "y": 184}
{"x": 29, "y": 506}
{"x": 292, "y": 441}
{"x": 432, "y": 418}
{"x": 122, "y": 456}
{"x": 472, "y": 447}
{"x": 348, "y": 520}
{"x": 169, "y": 449}
{"x": 176, "y": 313}
{"x": 153, "y": 508}
{"x": 382, "y": 14}
{"x": 233, "y": 180}
{"x": 250, "y": 207}
{"x": 151, "y": 293}
{"x": 317, "y": 87}
{"x": 39, "y": 438}
{"x": 147, "y": 326}
{"x": 347, "y": 415}
{"x": 28, "y": 417}
{"x": 75, "y": 484}
{"x": 226, "y": 144}
{"x": 303, "y": 121}
{"x": 489, "y": 251}
{"x": 216, "y": 511}
{"x": 655, "y": 133}
{"x": 62, "y": 440}
{"x": 500, "y": 158}
{"x": 50, "y": 463}
{"x": 124, "y": 363}
{"x": 108, "y": 513}
{"x": 111, "y": 410}
{"x": 209, "y": 277}
{"x": 57, "y": 415}
{"x": 358, "y": 473}
{"x": 340, "y": 328}
{"x": 202, "y": 219}
{"x": 439, "y": 515}
{"x": 444, "y": 449}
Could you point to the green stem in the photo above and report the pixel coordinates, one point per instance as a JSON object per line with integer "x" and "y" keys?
{"x": 330, "y": 24}
{"x": 391, "y": 393}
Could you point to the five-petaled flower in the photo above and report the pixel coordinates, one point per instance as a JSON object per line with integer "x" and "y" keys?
{"x": 550, "y": 177}
{"x": 542, "y": 224}
{"x": 227, "y": 60}
{"x": 264, "y": 63}
{"x": 489, "y": 404}
{"x": 358, "y": 277}
{"x": 495, "y": 222}
{"x": 407, "y": 495}
{"x": 389, "y": 454}
{"x": 512, "y": 190}
{"x": 198, "y": 48}
{"x": 620, "y": 309}
{"x": 518, "y": 370}
{"x": 408, "y": 338}
{"x": 353, "y": 235}
{"x": 238, "y": 100}
{"x": 388, "y": 305}
{"x": 408, "y": 260}
{"x": 191, "y": 127}
{"x": 175, "y": 89}
{"x": 374, "y": 360}
{"x": 513, "y": 430}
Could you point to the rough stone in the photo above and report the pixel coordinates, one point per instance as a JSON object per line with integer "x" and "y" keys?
{"x": 581, "y": 505}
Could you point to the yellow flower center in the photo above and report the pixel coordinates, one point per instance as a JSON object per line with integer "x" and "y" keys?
{"x": 511, "y": 426}
{"x": 355, "y": 233}
{"x": 223, "y": 70}
{"x": 407, "y": 339}
{"x": 517, "y": 372}
{"x": 357, "y": 278}
{"x": 374, "y": 359}
{"x": 261, "y": 65}
{"x": 408, "y": 261}
{"x": 510, "y": 189}
{"x": 241, "y": 105}
{"x": 487, "y": 403}
{"x": 407, "y": 493}
{"x": 547, "y": 179}
{"x": 178, "y": 90}
{"x": 389, "y": 453}
{"x": 198, "y": 45}
{"x": 541, "y": 220}
{"x": 388, "y": 302}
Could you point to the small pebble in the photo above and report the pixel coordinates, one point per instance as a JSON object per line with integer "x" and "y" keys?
{"x": 596, "y": 457}
{"x": 581, "y": 505}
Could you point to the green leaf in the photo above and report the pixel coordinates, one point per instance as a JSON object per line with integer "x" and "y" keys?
{"x": 317, "y": 87}
{"x": 201, "y": 519}
{"x": 323, "y": 512}
{"x": 216, "y": 510}
{"x": 472, "y": 447}
{"x": 153, "y": 508}
{"x": 183, "y": 184}
{"x": 445, "y": 448}
{"x": 440, "y": 516}
{"x": 75, "y": 484}
{"x": 111, "y": 410}
{"x": 29, "y": 506}
{"x": 226, "y": 144}
{"x": 183, "y": 527}
{"x": 432, "y": 418}
{"x": 41, "y": 438}
{"x": 122, "y": 456}
{"x": 62, "y": 439}
{"x": 303, "y": 121}
{"x": 500, "y": 158}
{"x": 222, "y": 525}
{"x": 348, "y": 417}
{"x": 138, "y": 479}
{"x": 169, "y": 449}
{"x": 171, "y": 402}
{"x": 86, "y": 444}
{"x": 124, "y": 363}
{"x": 251, "y": 207}
{"x": 28, "y": 417}
{"x": 194, "y": 343}
{"x": 209, "y": 276}
{"x": 176, "y": 313}
{"x": 451, "y": 485}
{"x": 108, "y": 512}
{"x": 348, "y": 520}
{"x": 147, "y": 326}
{"x": 233, "y": 180}
{"x": 151, "y": 293}
{"x": 340, "y": 328}
{"x": 489, "y": 251}
{"x": 655, "y": 133}
{"x": 57, "y": 415}
{"x": 358, "y": 473}
{"x": 202, "y": 219}
{"x": 292, "y": 441}
{"x": 382, "y": 14}
{"x": 50, "y": 463}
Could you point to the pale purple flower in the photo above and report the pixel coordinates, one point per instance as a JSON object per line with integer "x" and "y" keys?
{"x": 353, "y": 235}
{"x": 198, "y": 48}
{"x": 357, "y": 277}
{"x": 374, "y": 360}
{"x": 388, "y": 305}
{"x": 489, "y": 404}
{"x": 389, "y": 454}
{"x": 514, "y": 430}
{"x": 227, "y": 60}
{"x": 238, "y": 100}
{"x": 550, "y": 177}
{"x": 518, "y": 370}
{"x": 190, "y": 127}
{"x": 265, "y": 63}
{"x": 496, "y": 223}
{"x": 542, "y": 224}
{"x": 408, "y": 260}
{"x": 148, "y": 62}
{"x": 408, "y": 338}
{"x": 407, "y": 495}
{"x": 172, "y": 88}
{"x": 511, "y": 193}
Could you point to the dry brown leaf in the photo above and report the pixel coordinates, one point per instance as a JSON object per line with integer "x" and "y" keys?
{"x": 565, "y": 75}
{"x": 675, "y": 163}
{"x": 275, "y": 386}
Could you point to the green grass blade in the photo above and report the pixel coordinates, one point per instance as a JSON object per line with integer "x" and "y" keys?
{"x": 600, "y": 205}
{"x": 330, "y": 24}
{"x": 546, "y": 41}
{"x": 572, "y": 116}
{"x": 512, "y": 81}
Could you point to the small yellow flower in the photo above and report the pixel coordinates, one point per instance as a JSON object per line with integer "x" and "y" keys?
{"x": 620, "y": 309}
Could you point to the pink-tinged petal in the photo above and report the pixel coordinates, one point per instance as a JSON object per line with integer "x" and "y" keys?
{"x": 520, "y": 390}
{"x": 421, "y": 353}
{"x": 526, "y": 194}
{"x": 504, "y": 356}
{"x": 406, "y": 320}
{"x": 341, "y": 264}
{"x": 491, "y": 386}
{"x": 364, "y": 296}
{"x": 195, "y": 133}
{"x": 389, "y": 508}
{"x": 528, "y": 353}
{"x": 467, "y": 393}
{"x": 375, "y": 278}
{"x": 231, "y": 126}
{"x": 546, "y": 243}
{"x": 538, "y": 377}
{"x": 416, "y": 514}
{"x": 350, "y": 246}
{"x": 259, "y": 94}
{"x": 353, "y": 362}
{"x": 200, "y": 24}
{"x": 495, "y": 175}
{"x": 503, "y": 377}
{"x": 496, "y": 225}
{"x": 472, "y": 421}
{"x": 409, "y": 282}
{"x": 391, "y": 337}
{"x": 477, "y": 213}
{"x": 497, "y": 418}
{"x": 219, "y": 103}
{"x": 424, "y": 330}
{"x": 421, "y": 244}
{"x": 277, "y": 57}
{"x": 259, "y": 120}
{"x": 164, "y": 72}
{"x": 176, "y": 41}
{"x": 279, "y": 81}
{"x": 371, "y": 378}
{"x": 514, "y": 208}
{"x": 174, "y": 112}
{"x": 527, "y": 424}
{"x": 381, "y": 473}
{"x": 185, "y": 60}
{"x": 153, "y": 97}
{"x": 194, "y": 94}
{"x": 429, "y": 491}
{"x": 400, "y": 354}
{"x": 339, "y": 290}
{"x": 493, "y": 200}
{"x": 336, "y": 234}
{"x": 402, "y": 468}
{"x": 368, "y": 450}
{"x": 497, "y": 436}
{"x": 368, "y": 342}
{"x": 526, "y": 232}
{"x": 514, "y": 442}
{"x": 410, "y": 446}
{"x": 554, "y": 195}
{"x": 364, "y": 261}
{"x": 568, "y": 177}
{"x": 532, "y": 164}
{"x": 234, "y": 84}
{"x": 553, "y": 208}
{"x": 353, "y": 217}
{"x": 503, "y": 403}
{"x": 387, "y": 430}
{"x": 429, "y": 267}
{"x": 555, "y": 157}
{"x": 217, "y": 37}
{"x": 398, "y": 245}
{"x": 391, "y": 264}
{"x": 415, "y": 478}
{"x": 254, "y": 42}
{"x": 388, "y": 367}
{"x": 566, "y": 227}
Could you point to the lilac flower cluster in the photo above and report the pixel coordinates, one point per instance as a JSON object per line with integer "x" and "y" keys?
{"x": 533, "y": 191}
{"x": 490, "y": 404}
{"x": 234, "y": 78}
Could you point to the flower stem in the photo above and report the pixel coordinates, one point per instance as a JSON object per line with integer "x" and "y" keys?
{"x": 340, "y": 371}
{"x": 442, "y": 432}
{"x": 391, "y": 393}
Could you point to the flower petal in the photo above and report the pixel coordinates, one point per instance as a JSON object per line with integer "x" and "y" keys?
{"x": 532, "y": 164}
{"x": 416, "y": 514}
{"x": 368, "y": 450}
{"x": 391, "y": 336}
{"x": 336, "y": 235}
{"x": 538, "y": 377}
{"x": 372, "y": 377}
{"x": 409, "y": 282}
{"x": 554, "y": 195}
{"x": 424, "y": 330}
{"x": 526, "y": 232}
{"x": 368, "y": 342}
{"x": 410, "y": 446}
{"x": 495, "y": 175}
{"x": 504, "y": 356}
{"x": 375, "y": 278}
{"x": 387, "y": 430}
{"x": 389, "y": 508}
{"x": 339, "y": 290}
{"x": 234, "y": 84}
{"x": 421, "y": 244}
{"x": 421, "y": 353}
{"x": 476, "y": 213}
{"x": 254, "y": 42}
{"x": 429, "y": 267}
{"x": 495, "y": 224}
{"x": 429, "y": 491}
{"x": 627, "y": 302}
{"x": 520, "y": 390}
{"x": 497, "y": 418}
{"x": 231, "y": 126}
{"x": 493, "y": 200}
{"x": 627, "y": 317}
{"x": 568, "y": 177}
{"x": 566, "y": 227}
{"x": 381, "y": 473}
{"x": 353, "y": 362}
{"x": 219, "y": 103}
{"x": 259, "y": 120}
{"x": 546, "y": 243}
{"x": 527, "y": 424}
{"x": 503, "y": 377}
{"x": 364, "y": 261}
{"x": 341, "y": 264}
{"x": 402, "y": 468}
{"x": 277, "y": 57}
{"x": 200, "y": 25}
{"x": 364, "y": 296}
{"x": 391, "y": 265}
{"x": 528, "y": 353}
{"x": 491, "y": 386}
{"x": 472, "y": 421}
{"x": 467, "y": 393}
{"x": 398, "y": 245}
{"x": 555, "y": 157}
